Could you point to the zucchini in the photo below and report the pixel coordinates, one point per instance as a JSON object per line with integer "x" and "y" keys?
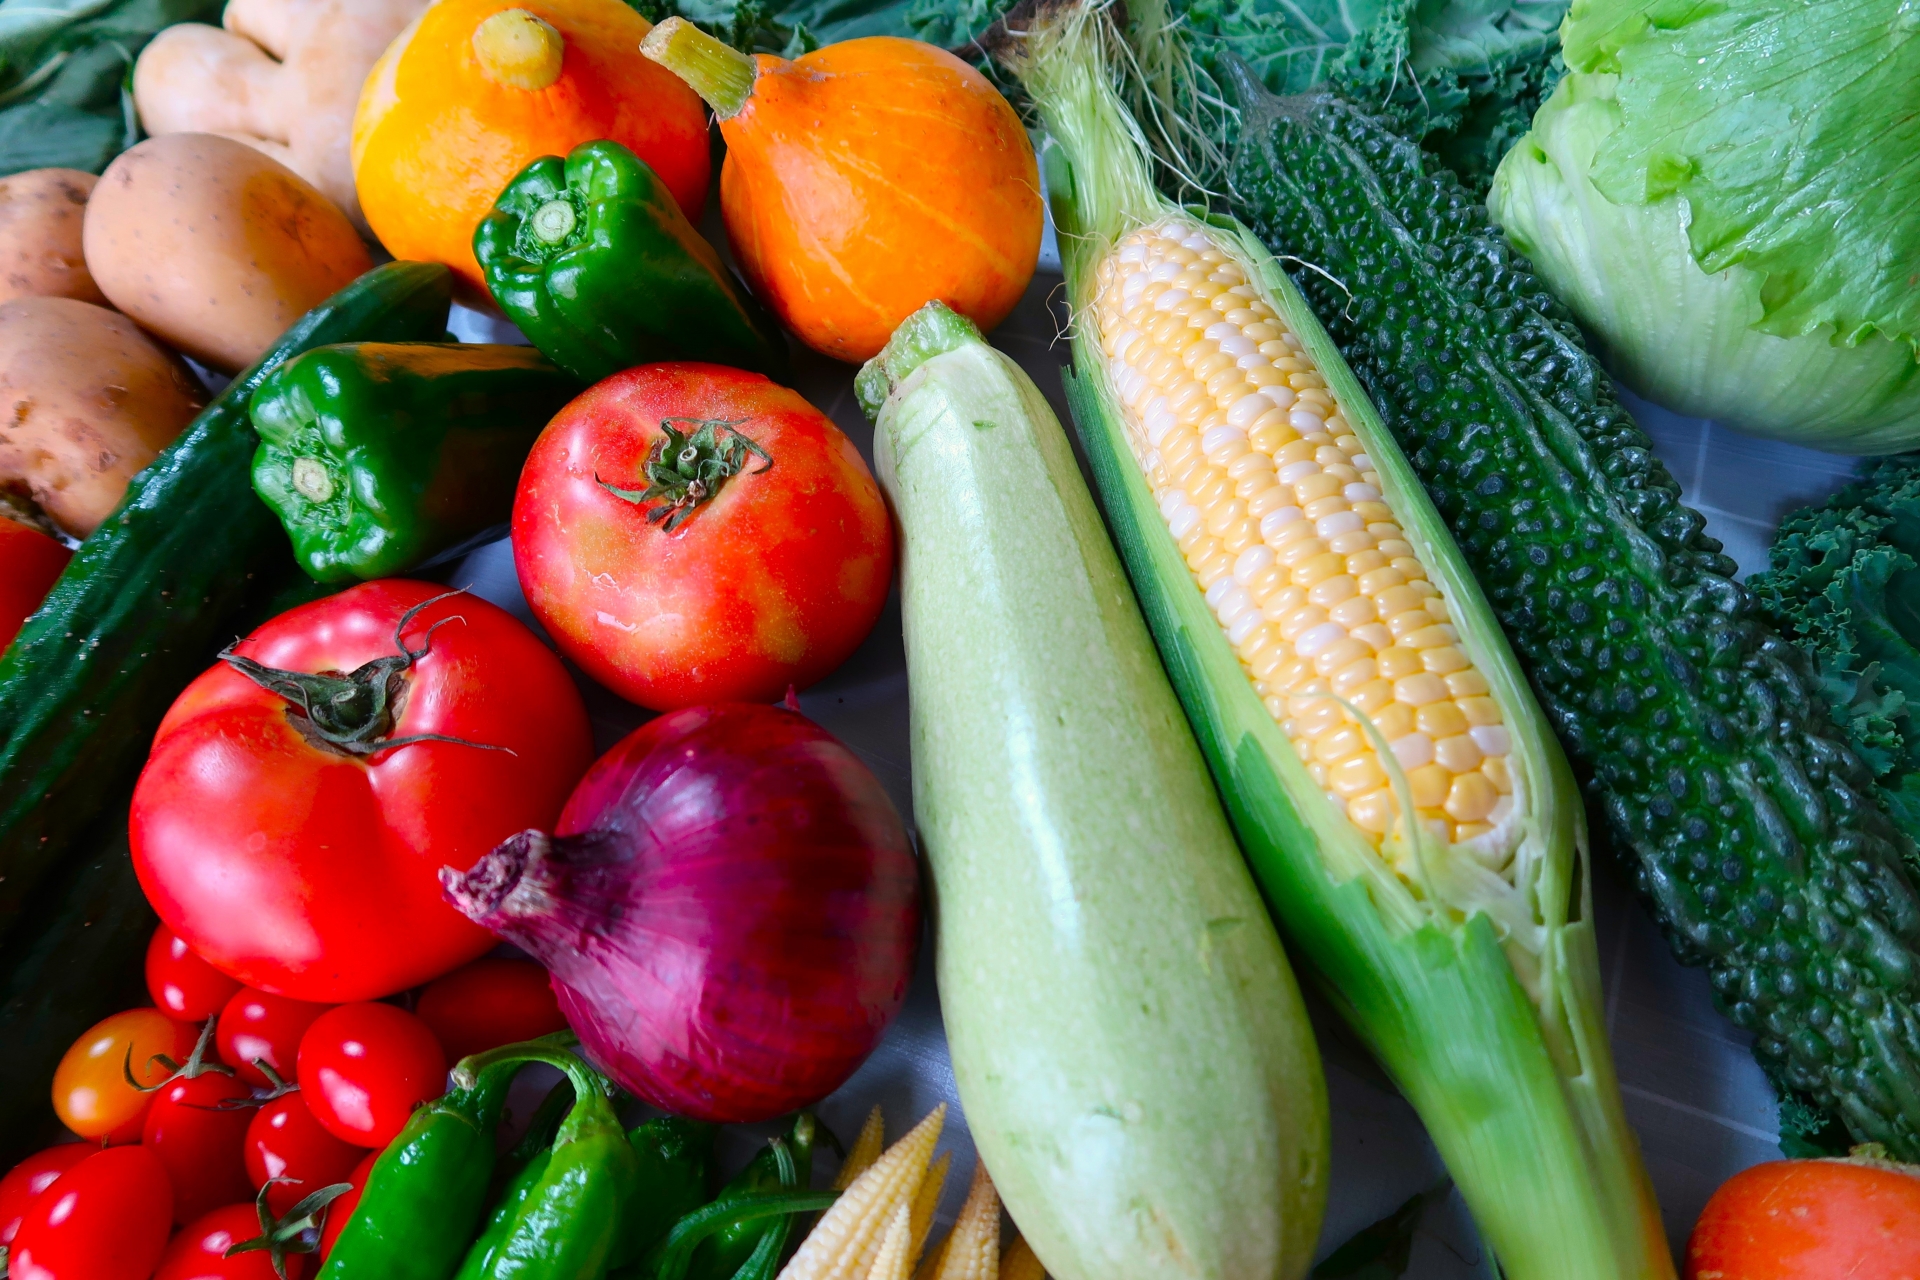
{"x": 1338, "y": 663}
{"x": 1128, "y": 1041}
{"x": 155, "y": 591}
{"x": 1753, "y": 831}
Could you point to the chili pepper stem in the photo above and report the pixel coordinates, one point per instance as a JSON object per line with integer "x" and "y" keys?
{"x": 723, "y": 76}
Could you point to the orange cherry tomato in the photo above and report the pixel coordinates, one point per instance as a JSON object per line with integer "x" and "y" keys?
{"x": 1810, "y": 1220}
{"x": 90, "y": 1090}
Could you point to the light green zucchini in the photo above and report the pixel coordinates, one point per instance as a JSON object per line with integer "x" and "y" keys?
{"x": 1128, "y": 1040}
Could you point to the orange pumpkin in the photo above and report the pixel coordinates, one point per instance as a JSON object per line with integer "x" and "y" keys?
{"x": 864, "y": 180}
{"x": 474, "y": 90}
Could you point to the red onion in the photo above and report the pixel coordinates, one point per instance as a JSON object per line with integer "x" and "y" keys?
{"x": 729, "y": 911}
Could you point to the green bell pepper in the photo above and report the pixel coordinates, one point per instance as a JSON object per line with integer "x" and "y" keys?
{"x": 376, "y": 455}
{"x": 593, "y": 259}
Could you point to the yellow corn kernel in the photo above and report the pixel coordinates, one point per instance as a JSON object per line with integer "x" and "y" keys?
{"x": 865, "y": 1150}
{"x": 1471, "y": 798}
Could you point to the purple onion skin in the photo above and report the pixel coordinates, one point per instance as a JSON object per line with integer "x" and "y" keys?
{"x": 729, "y": 911}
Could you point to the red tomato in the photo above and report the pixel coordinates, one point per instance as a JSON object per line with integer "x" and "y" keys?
{"x": 365, "y": 1067}
{"x": 202, "y": 1146}
{"x": 26, "y": 1180}
{"x": 90, "y": 1090}
{"x": 107, "y": 1218}
{"x": 772, "y": 582}
{"x": 1810, "y": 1220}
{"x": 30, "y": 563}
{"x": 285, "y": 1141}
{"x": 183, "y": 985}
{"x": 489, "y": 1003}
{"x": 256, "y": 1027}
{"x": 314, "y": 873}
{"x": 200, "y": 1251}
{"x": 341, "y": 1210}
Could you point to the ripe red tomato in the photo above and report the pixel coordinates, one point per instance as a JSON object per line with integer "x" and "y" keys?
{"x": 90, "y": 1090}
{"x": 285, "y": 1141}
{"x": 202, "y": 1146}
{"x": 486, "y": 1004}
{"x": 26, "y": 1180}
{"x": 258, "y": 1027}
{"x": 200, "y": 1251}
{"x": 1810, "y": 1220}
{"x": 341, "y": 1210}
{"x": 365, "y": 1067}
{"x": 313, "y": 872}
{"x": 183, "y": 985}
{"x": 107, "y": 1218}
{"x": 772, "y": 581}
{"x": 30, "y": 563}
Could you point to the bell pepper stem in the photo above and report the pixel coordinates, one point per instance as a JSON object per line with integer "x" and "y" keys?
{"x": 720, "y": 74}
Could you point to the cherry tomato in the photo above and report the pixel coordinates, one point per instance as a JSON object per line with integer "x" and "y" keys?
{"x": 341, "y": 1209}
{"x": 772, "y": 581}
{"x": 1810, "y": 1220}
{"x": 90, "y": 1090}
{"x": 314, "y": 872}
{"x": 200, "y": 1251}
{"x": 257, "y": 1027}
{"x": 183, "y": 985}
{"x": 365, "y": 1067}
{"x": 107, "y": 1218}
{"x": 30, "y": 563}
{"x": 488, "y": 1003}
{"x": 285, "y": 1141}
{"x": 202, "y": 1146}
{"x": 26, "y": 1180}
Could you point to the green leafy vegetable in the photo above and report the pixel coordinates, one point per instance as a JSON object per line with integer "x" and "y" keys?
{"x": 1728, "y": 196}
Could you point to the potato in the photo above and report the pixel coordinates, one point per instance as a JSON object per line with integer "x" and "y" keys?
{"x": 86, "y": 401}
{"x": 215, "y": 247}
{"x": 40, "y": 217}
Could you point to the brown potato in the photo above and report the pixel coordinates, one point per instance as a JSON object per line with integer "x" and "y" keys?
{"x": 40, "y": 217}
{"x": 86, "y": 401}
{"x": 215, "y": 247}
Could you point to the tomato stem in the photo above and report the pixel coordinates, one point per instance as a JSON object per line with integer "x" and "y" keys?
{"x": 687, "y": 468}
{"x": 297, "y": 1232}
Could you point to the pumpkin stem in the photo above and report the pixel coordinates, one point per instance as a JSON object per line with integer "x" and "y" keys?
{"x": 717, "y": 72}
{"x": 519, "y": 50}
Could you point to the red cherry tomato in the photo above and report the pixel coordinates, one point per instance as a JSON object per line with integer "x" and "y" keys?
{"x": 772, "y": 581}
{"x": 90, "y": 1090}
{"x": 202, "y": 1146}
{"x": 200, "y": 1251}
{"x": 30, "y": 563}
{"x": 342, "y": 1209}
{"x": 256, "y": 1027}
{"x": 26, "y": 1180}
{"x": 488, "y": 1003}
{"x": 285, "y": 1141}
{"x": 365, "y": 1067}
{"x": 183, "y": 985}
{"x": 107, "y": 1218}
{"x": 314, "y": 872}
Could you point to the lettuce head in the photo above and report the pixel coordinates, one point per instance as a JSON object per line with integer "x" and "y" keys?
{"x": 1727, "y": 194}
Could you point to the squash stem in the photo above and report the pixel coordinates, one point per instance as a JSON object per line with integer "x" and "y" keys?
{"x": 717, "y": 72}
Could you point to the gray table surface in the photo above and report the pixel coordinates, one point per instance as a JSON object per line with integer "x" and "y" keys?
{"x": 1692, "y": 1091}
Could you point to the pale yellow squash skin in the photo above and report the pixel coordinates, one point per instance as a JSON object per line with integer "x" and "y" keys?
{"x": 1128, "y": 1040}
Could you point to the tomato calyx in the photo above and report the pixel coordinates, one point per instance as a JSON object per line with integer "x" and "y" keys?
{"x": 353, "y": 713}
{"x": 193, "y": 1068}
{"x": 297, "y": 1232}
{"x": 687, "y": 468}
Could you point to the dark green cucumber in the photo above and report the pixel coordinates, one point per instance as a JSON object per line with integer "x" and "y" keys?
{"x": 1753, "y": 831}
{"x": 152, "y": 595}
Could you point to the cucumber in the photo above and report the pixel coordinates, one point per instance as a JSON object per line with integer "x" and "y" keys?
{"x": 1128, "y": 1041}
{"x": 153, "y": 594}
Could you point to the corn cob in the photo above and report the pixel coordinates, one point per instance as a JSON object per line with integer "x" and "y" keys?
{"x": 971, "y": 1250}
{"x": 865, "y": 1150}
{"x": 894, "y": 1261}
{"x": 927, "y": 1199}
{"x": 1279, "y": 514}
{"x": 856, "y": 1236}
{"x": 1019, "y": 1262}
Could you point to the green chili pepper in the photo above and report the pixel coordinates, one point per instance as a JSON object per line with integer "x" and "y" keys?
{"x": 500, "y": 1222}
{"x": 675, "y": 1161}
{"x": 729, "y": 1249}
{"x": 672, "y": 1257}
{"x": 593, "y": 259}
{"x": 425, "y": 1193}
{"x": 544, "y": 1123}
{"x": 569, "y": 1223}
{"x": 376, "y": 455}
